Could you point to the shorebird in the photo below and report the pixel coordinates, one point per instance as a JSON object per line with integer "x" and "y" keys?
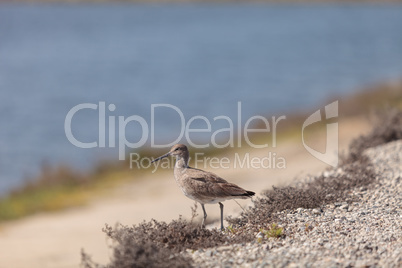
{"x": 202, "y": 186}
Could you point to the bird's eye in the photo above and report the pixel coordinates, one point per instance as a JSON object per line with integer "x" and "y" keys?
{"x": 177, "y": 149}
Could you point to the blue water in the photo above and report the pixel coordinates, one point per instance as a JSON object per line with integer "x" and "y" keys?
{"x": 201, "y": 58}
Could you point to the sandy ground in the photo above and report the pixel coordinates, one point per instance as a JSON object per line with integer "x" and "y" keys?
{"x": 56, "y": 239}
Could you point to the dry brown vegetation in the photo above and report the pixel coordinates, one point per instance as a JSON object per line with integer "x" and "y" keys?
{"x": 314, "y": 194}
{"x": 388, "y": 127}
{"x": 159, "y": 244}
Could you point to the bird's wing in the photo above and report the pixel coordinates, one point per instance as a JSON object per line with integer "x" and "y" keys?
{"x": 204, "y": 176}
{"x": 211, "y": 185}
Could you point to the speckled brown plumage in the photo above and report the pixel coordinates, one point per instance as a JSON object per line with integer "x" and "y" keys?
{"x": 202, "y": 186}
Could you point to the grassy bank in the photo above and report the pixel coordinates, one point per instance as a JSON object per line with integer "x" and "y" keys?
{"x": 57, "y": 188}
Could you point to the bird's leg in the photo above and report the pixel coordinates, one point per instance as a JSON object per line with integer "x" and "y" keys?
{"x": 205, "y": 216}
{"x": 221, "y": 206}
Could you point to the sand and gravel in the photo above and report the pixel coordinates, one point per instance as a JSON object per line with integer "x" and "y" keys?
{"x": 363, "y": 231}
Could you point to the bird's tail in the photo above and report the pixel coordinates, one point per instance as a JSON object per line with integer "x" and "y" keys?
{"x": 249, "y": 193}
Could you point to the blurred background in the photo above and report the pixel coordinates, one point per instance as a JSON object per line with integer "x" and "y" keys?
{"x": 276, "y": 59}
{"x": 202, "y": 58}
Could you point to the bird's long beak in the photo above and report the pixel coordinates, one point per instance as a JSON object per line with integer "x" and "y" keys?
{"x": 160, "y": 157}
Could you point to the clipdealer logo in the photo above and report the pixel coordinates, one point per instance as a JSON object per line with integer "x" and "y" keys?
{"x": 331, "y": 154}
{"x": 115, "y": 126}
